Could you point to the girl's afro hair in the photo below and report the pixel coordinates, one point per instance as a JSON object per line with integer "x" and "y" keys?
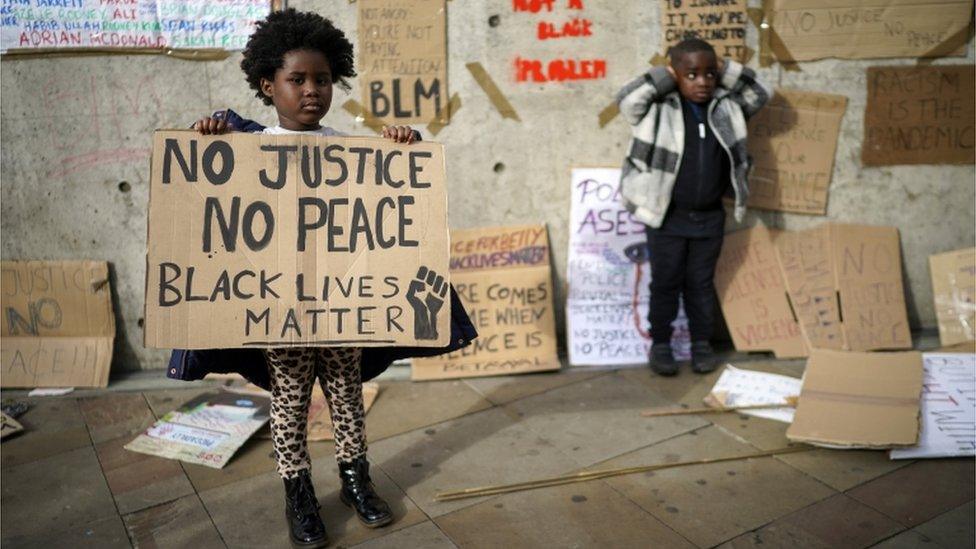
{"x": 289, "y": 30}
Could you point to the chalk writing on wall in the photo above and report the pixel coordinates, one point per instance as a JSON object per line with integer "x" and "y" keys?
{"x": 572, "y": 25}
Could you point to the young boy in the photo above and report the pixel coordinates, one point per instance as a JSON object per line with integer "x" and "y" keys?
{"x": 689, "y": 147}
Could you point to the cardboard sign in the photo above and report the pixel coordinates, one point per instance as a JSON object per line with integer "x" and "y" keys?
{"x": 608, "y": 276}
{"x": 793, "y": 140}
{"x": 919, "y": 115}
{"x": 503, "y": 277}
{"x": 296, "y": 240}
{"x": 736, "y": 387}
{"x": 58, "y": 326}
{"x": 954, "y": 289}
{"x": 403, "y": 60}
{"x": 806, "y": 30}
{"x": 753, "y": 295}
{"x": 948, "y": 408}
{"x": 721, "y": 24}
{"x": 859, "y": 400}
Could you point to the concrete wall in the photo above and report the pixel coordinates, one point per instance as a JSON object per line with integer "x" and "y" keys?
{"x": 76, "y": 130}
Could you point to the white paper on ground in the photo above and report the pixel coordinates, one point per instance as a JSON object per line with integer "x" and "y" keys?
{"x": 50, "y": 391}
{"x": 737, "y": 387}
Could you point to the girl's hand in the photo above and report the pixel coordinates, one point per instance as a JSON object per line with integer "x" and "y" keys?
{"x": 399, "y": 134}
{"x": 209, "y": 125}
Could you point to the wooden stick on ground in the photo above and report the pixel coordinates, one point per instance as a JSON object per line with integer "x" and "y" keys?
{"x": 604, "y": 473}
{"x": 709, "y": 410}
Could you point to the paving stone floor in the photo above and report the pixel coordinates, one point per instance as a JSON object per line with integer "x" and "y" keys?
{"x": 67, "y": 481}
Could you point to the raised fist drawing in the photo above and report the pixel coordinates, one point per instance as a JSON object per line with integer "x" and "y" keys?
{"x": 425, "y": 310}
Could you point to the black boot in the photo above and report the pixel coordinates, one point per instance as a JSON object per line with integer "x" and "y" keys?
{"x": 662, "y": 360}
{"x": 703, "y": 359}
{"x": 359, "y": 493}
{"x": 302, "y": 511}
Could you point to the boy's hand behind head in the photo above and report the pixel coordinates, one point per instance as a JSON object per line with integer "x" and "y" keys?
{"x": 209, "y": 125}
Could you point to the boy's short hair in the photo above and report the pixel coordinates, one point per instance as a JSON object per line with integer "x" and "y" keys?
{"x": 689, "y": 45}
{"x": 287, "y": 30}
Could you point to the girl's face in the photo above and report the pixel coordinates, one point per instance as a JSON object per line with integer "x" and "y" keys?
{"x": 301, "y": 90}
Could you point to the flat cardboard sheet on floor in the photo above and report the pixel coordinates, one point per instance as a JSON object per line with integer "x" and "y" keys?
{"x": 859, "y": 400}
{"x": 792, "y": 141}
{"x": 954, "y": 289}
{"x": 296, "y": 240}
{"x": 948, "y": 408}
{"x": 503, "y": 276}
{"x": 58, "y": 326}
{"x": 805, "y": 30}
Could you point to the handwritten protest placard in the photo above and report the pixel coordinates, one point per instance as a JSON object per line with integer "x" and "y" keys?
{"x": 739, "y": 387}
{"x": 403, "y": 59}
{"x": 296, "y": 240}
{"x": 793, "y": 140}
{"x": 948, "y": 427}
{"x": 609, "y": 275}
{"x": 805, "y": 30}
{"x": 58, "y": 326}
{"x": 954, "y": 289}
{"x": 920, "y": 115}
{"x": 806, "y": 262}
{"x": 503, "y": 277}
{"x": 188, "y": 24}
{"x": 752, "y": 294}
{"x": 721, "y": 24}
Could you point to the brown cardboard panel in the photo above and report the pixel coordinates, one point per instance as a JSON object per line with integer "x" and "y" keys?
{"x": 868, "y": 278}
{"x": 250, "y": 244}
{"x": 58, "y": 325}
{"x": 723, "y": 25}
{"x": 792, "y": 141}
{"x": 753, "y": 295}
{"x": 852, "y": 399}
{"x": 403, "y": 59}
{"x": 504, "y": 278}
{"x": 954, "y": 289}
{"x": 919, "y": 115}
{"x": 850, "y": 29}
{"x": 805, "y": 259}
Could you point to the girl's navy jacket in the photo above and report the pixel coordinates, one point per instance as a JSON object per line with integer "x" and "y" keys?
{"x": 190, "y": 365}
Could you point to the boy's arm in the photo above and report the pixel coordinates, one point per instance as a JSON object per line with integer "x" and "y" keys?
{"x": 636, "y": 97}
{"x": 745, "y": 88}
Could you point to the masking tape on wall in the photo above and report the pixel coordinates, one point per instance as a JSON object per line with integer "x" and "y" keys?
{"x": 498, "y": 99}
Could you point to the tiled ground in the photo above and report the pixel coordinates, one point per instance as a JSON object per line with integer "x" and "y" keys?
{"x": 67, "y": 481}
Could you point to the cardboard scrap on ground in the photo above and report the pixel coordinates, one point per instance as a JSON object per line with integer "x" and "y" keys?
{"x": 9, "y": 426}
{"x": 57, "y": 324}
{"x": 948, "y": 408}
{"x": 792, "y": 141}
{"x": 859, "y": 400}
{"x": 954, "y": 290}
{"x": 738, "y": 387}
{"x": 806, "y": 30}
{"x": 208, "y": 430}
{"x": 319, "y": 417}
{"x": 503, "y": 276}
{"x": 296, "y": 240}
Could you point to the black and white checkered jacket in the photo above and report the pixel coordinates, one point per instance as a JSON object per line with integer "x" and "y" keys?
{"x": 651, "y": 105}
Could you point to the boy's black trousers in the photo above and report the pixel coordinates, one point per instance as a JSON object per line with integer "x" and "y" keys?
{"x": 683, "y": 264}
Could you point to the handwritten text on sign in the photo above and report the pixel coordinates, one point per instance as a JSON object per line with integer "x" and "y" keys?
{"x": 721, "y": 24}
{"x": 259, "y": 240}
{"x": 32, "y": 24}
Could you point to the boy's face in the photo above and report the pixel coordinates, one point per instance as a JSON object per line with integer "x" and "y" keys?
{"x": 697, "y": 76}
{"x": 301, "y": 90}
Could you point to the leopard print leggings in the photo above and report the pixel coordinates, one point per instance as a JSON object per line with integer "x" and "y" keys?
{"x": 293, "y": 371}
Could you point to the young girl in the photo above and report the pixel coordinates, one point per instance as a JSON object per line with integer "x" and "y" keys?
{"x": 292, "y": 62}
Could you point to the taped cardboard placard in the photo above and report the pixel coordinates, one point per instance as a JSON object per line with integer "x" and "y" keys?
{"x": 793, "y": 140}
{"x": 403, "y": 59}
{"x": 807, "y": 30}
{"x": 354, "y": 108}
{"x": 954, "y": 290}
{"x": 504, "y": 278}
{"x": 752, "y": 294}
{"x": 296, "y": 240}
{"x": 920, "y": 115}
{"x": 439, "y": 121}
{"x": 806, "y": 261}
{"x": 721, "y": 24}
{"x": 58, "y": 326}
{"x": 494, "y": 94}
{"x": 859, "y": 400}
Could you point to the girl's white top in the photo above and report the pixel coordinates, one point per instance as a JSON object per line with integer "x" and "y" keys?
{"x": 323, "y": 131}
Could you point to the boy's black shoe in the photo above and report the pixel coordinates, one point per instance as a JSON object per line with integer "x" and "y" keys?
{"x": 359, "y": 493}
{"x": 703, "y": 359}
{"x": 662, "y": 360}
{"x": 305, "y": 526}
